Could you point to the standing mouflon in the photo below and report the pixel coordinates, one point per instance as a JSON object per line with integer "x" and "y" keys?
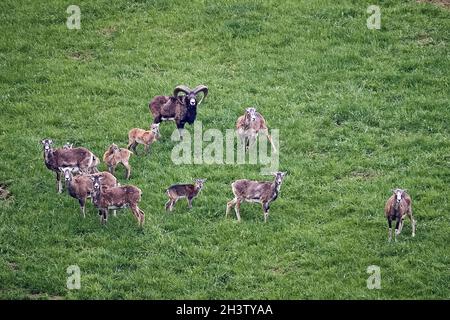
{"x": 80, "y": 187}
{"x": 188, "y": 191}
{"x": 79, "y": 158}
{"x": 398, "y": 207}
{"x": 255, "y": 191}
{"x": 116, "y": 198}
{"x": 115, "y": 155}
{"x": 181, "y": 109}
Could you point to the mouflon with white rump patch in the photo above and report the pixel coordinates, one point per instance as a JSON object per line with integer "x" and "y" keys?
{"x": 81, "y": 159}
{"x": 80, "y": 187}
{"x": 121, "y": 197}
{"x": 255, "y": 191}
{"x": 115, "y": 155}
{"x": 188, "y": 191}
{"x": 398, "y": 207}
{"x": 181, "y": 109}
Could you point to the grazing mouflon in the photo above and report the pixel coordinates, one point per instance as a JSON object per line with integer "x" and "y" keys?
{"x": 121, "y": 197}
{"x": 188, "y": 191}
{"x": 81, "y": 159}
{"x": 255, "y": 191}
{"x": 182, "y": 108}
{"x": 115, "y": 155}
{"x": 397, "y": 207}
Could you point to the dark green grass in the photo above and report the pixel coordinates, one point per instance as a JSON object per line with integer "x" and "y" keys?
{"x": 359, "y": 112}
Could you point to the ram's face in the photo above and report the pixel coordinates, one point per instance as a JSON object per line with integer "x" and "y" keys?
{"x": 47, "y": 144}
{"x": 192, "y": 100}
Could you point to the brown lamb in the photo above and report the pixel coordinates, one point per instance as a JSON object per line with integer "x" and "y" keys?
{"x": 140, "y": 136}
{"x": 248, "y": 127}
{"x": 114, "y": 156}
{"x": 188, "y": 191}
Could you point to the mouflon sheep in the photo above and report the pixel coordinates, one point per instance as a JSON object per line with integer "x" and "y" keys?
{"x": 255, "y": 191}
{"x": 398, "y": 207}
{"x": 181, "y": 109}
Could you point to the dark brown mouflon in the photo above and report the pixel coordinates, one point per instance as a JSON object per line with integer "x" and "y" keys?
{"x": 181, "y": 109}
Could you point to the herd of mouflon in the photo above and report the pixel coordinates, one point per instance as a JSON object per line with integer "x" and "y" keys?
{"x": 78, "y": 166}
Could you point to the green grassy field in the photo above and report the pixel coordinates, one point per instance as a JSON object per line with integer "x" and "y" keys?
{"x": 359, "y": 112}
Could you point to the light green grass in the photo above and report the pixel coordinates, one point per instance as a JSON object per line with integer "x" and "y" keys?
{"x": 359, "y": 112}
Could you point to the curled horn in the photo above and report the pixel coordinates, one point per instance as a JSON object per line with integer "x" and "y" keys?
{"x": 201, "y": 88}
{"x": 181, "y": 88}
